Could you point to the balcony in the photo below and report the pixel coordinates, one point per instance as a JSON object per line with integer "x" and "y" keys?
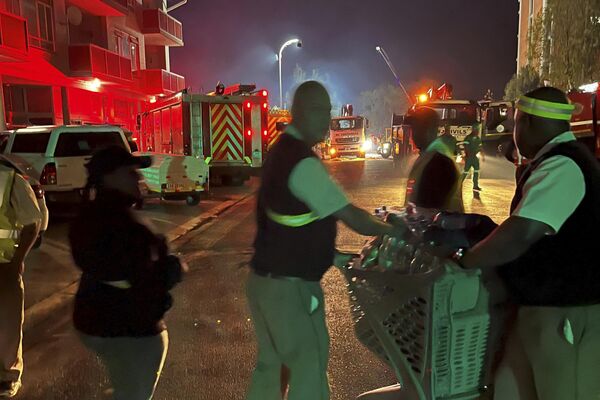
{"x": 102, "y": 8}
{"x": 161, "y": 29}
{"x": 159, "y": 81}
{"x": 13, "y": 38}
{"x": 92, "y": 61}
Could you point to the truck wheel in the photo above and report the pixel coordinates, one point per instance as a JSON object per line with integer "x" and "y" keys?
{"x": 192, "y": 199}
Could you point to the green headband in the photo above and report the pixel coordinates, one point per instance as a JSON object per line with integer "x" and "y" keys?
{"x": 545, "y": 109}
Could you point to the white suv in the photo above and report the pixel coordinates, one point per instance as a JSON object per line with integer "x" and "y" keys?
{"x": 56, "y": 155}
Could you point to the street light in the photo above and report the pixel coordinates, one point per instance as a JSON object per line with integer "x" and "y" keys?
{"x": 385, "y": 57}
{"x": 298, "y": 43}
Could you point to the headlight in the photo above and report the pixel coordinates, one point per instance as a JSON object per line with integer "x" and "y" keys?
{"x": 332, "y": 151}
{"x": 367, "y": 145}
{"x": 387, "y": 145}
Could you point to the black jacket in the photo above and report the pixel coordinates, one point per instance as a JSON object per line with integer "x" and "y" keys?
{"x": 109, "y": 243}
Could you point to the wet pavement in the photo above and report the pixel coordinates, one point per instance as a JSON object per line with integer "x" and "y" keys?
{"x": 212, "y": 346}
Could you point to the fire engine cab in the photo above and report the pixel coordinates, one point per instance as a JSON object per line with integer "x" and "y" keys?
{"x": 225, "y": 131}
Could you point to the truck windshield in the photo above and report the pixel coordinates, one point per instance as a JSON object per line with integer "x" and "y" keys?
{"x": 456, "y": 114}
{"x": 346, "y": 123}
{"x": 74, "y": 144}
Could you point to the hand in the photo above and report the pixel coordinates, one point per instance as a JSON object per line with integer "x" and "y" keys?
{"x": 341, "y": 259}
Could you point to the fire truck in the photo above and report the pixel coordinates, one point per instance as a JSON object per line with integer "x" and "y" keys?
{"x": 278, "y": 120}
{"x": 498, "y": 119}
{"x": 224, "y": 131}
{"x": 347, "y": 134}
{"x": 456, "y": 117}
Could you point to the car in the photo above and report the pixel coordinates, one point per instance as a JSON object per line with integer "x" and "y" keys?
{"x": 56, "y": 156}
{"x": 39, "y": 195}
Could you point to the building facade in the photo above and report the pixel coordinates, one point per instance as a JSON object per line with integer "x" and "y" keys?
{"x": 84, "y": 61}
{"x": 528, "y": 11}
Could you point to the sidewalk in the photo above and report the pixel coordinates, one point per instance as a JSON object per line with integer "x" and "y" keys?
{"x": 51, "y": 278}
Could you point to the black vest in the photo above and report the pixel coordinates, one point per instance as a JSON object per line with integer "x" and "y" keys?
{"x": 306, "y": 251}
{"x": 561, "y": 270}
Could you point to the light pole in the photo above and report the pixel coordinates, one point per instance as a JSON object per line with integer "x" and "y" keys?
{"x": 385, "y": 57}
{"x": 290, "y": 42}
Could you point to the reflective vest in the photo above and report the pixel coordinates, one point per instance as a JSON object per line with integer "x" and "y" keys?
{"x": 9, "y": 230}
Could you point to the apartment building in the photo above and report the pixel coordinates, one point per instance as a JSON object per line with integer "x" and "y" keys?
{"x": 528, "y": 11}
{"x": 85, "y": 61}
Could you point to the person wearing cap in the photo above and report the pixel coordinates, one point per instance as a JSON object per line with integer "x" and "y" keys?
{"x": 545, "y": 257}
{"x": 20, "y": 220}
{"x": 434, "y": 180}
{"x": 297, "y": 212}
{"x": 127, "y": 273}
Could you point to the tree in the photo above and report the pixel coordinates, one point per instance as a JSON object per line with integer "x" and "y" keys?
{"x": 300, "y": 75}
{"x": 526, "y": 80}
{"x": 564, "y": 43}
{"x": 379, "y": 104}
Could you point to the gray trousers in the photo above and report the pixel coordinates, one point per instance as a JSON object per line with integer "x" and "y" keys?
{"x": 133, "y": 364}
{"x": 11, "y": 322}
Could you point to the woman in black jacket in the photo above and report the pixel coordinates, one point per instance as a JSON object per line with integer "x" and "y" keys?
{"x": 127, "y": 273}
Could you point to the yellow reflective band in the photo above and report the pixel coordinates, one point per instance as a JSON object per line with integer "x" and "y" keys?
{"x": 207, "y": 160}
{"x": 293, "y": 221}
{"x": 545, "y": 109}
{"x": 118, "y": 284}
{"x": 248, "y": 160}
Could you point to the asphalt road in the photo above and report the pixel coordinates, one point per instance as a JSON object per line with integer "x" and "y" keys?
{"x": 212, "y": 347}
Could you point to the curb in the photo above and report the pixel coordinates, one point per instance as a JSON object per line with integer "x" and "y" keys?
{"x": 41, "y": 310}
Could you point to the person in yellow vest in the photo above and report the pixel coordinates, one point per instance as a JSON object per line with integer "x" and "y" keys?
{"x": 20, "y": 220}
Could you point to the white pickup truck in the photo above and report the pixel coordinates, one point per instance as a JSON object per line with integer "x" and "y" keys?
{"x": 56, "y": 155}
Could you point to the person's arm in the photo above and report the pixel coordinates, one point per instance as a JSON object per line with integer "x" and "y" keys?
{"x": 506, "y": 243}
{"x": 28, "y": 214}
{"x": 28, "y": 236}
{"x": 362, "y": 222}
{"x": 542, "y": 211}
{"x": 310, "y": 182}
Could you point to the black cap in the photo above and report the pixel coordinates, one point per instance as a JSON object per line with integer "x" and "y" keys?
{"x": 108, "y": 159}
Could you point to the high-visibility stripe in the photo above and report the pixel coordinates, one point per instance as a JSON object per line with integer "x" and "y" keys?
{"x": 118, "y": 284}
{"x": 293, "y": 221}
{"x": 545, "y": 109}
{"x": 227, "y": 135}
{"x": 9, "y": 234}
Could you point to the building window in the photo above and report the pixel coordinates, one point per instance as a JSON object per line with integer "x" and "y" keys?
{"x": 134, "y": 51}
{"x": 45, "y": 27}
{"x": 121, "y": 44}
{"x": 13, "y": 7}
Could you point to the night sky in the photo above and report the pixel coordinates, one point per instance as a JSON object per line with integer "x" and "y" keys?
{"x": 468, "y": 43}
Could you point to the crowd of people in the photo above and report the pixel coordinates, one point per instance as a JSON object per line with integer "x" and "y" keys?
{"x": 542, "y": 256}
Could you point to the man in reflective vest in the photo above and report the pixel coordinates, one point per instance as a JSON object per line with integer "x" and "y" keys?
{"x": 472, "y": 146}
{"x": 298, "y": 207}
{"x": 20, "y": 220}
{"x": 546, "y": 257}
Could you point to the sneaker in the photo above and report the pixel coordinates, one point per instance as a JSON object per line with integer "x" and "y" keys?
{"x": 9, "y": 389}
{"x": 477, "y": 189}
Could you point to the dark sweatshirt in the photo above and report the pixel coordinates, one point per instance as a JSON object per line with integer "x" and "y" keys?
{"x": 110, "y": 244}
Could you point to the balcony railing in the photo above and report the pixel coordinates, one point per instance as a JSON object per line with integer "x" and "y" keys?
{"x": 161, "y": 29}
{"x": 94, "y": 61}
{"x": 13, "y": 36}
{"x": 159, "y": 81}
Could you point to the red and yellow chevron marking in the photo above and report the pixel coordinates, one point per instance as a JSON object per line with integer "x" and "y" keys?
{"x": 227, "y": 135}
{"x": 272, "y": 127}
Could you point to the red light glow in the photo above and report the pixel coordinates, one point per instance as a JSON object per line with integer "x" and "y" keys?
{"x": 249, "y": 133}
{"x": 248, "y": 105}
{"x": 264, "y": 93}
{"x": 265, "y": 106}
{"x": 265, "y": 132}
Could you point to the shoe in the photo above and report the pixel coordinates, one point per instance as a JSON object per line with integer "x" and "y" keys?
{"x": 9, "y": 389}
{"x": 477, "y": 189}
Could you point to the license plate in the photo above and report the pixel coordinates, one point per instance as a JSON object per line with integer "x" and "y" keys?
{"x": 175, "y": 186}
